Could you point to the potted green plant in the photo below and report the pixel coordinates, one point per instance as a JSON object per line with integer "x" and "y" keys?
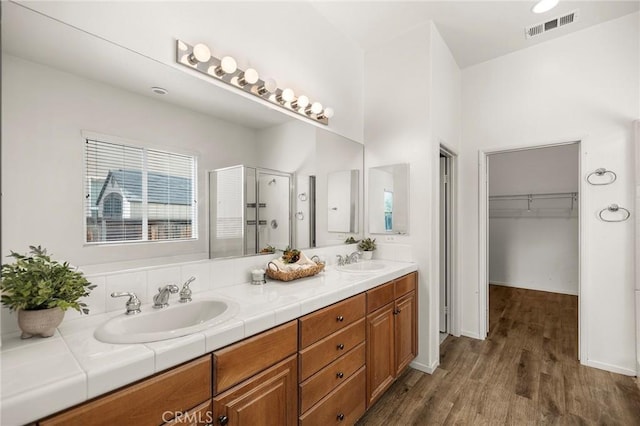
{"x": 367, "y": 246}
{"x": 41, "y": 289}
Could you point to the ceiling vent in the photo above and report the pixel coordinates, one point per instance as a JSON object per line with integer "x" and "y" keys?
{"x": 560, "y": 21}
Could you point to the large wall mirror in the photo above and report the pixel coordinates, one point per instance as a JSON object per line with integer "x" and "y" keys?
{"x": 389, "y": 199}
{"x": 274, "y": 170}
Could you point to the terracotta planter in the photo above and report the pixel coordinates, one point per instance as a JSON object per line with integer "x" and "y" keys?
{"x": 42, "y": 322}
{"x": 367, "y": 255}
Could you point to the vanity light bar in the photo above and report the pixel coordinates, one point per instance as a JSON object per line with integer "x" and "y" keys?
{"x": 199, "y": 58}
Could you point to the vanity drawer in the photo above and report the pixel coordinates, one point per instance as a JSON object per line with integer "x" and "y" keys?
{"x": 344, "y": 406}
{"x": 240, "y": 361}
{"x": 380, "y": 296}
{"x": 330, "y": 348}
{"x": 147, "y": 402}
{"x": 322, "y": 323}
{"x": 405, "y": 284}
{"x": 339, "y": 371}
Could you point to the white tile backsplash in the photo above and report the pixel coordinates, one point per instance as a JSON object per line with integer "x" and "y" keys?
{"x": 202, "y": 273}
{"x": 210, "y": 275}
{"x": 159, "y": 277}
{"x": 129, "y": 281}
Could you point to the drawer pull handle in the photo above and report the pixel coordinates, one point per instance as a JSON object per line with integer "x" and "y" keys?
{"x": 340, "y": 375}
{"x": 340, "y": 318}
{"x": 341, "y": 417}
{"x": 341, "y": 346}
{"x": 396, "y": 311}
{"x": 223, "y": 420}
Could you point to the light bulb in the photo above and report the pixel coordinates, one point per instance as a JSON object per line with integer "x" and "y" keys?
{"x": 287, "y": 95}
{"x": 269, "y": 86}
{"x": 228, "y": 65}
{"x": 302, "y": 101}
{"x": 250, "y": 76}
{"x": 328, "y": 112}
{"x": 316, "y": 107}
{"x": 201, "y": 53}
{"x": 544, "y": 6}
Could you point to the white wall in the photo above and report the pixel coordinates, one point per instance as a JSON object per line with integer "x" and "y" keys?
{"x": 44, "y": 113}
{"x": 396, "y": 130}
{"x": 288, "y": 41}
{"x": 403, "y": 126}
{"x": 582, "y": 86}
{"x": 537, "y": 251}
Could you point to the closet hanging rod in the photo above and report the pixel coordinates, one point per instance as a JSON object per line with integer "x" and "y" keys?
{"x": 533, "y": 196}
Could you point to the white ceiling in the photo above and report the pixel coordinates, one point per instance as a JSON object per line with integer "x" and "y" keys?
{"x": 475, "y": 31}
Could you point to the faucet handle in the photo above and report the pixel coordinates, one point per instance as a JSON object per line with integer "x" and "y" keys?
{"x": 185, "y": 293}
{"x": 133, "y": 304}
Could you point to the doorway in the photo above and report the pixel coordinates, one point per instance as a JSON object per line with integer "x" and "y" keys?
{"x": 530, "y": 225}
{"x": 447, "y": 243}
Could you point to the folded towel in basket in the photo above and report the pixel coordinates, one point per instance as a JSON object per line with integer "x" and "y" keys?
{"x": 302, "y": 263}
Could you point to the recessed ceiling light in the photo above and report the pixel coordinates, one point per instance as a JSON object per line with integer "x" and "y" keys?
{"x": 544, "y": 6}
{"x": 159, "y": 90}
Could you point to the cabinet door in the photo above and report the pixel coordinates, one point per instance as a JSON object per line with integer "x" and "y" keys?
{"x": 267, "y": 399}
{"x": 381, "y": 365}
{"x": 197, "y": 416}
{"x": 406, "y": 331}
{"x": 149, "y": 402}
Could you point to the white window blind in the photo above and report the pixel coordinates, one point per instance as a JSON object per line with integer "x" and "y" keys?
{"x": 138, "y": 194}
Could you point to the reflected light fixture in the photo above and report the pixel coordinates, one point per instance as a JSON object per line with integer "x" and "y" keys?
{"x": 543, "y": 6}
{"x": 301, "y": 102}
{"x": 198, "y": 57}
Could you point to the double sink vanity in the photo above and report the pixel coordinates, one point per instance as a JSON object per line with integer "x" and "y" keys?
{"x": 318, "y": 350}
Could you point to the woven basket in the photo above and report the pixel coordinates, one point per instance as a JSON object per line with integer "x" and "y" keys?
{"x": 275, "y": 273}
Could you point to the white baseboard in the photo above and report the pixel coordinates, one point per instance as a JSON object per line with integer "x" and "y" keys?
{"x": 534, "y": 287}
{"x": 429, "y": 369}
{"x": 609, "y": 367}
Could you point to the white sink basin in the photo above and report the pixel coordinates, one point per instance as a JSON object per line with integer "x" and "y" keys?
{"x": 362, "y": 267}
{"x": 179, "y": 319}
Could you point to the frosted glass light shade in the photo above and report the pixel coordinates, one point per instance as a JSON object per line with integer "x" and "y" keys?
{"x": 270, "y": 85}
{"x": 303, "y": 101}
{"x": 201, "y": 53}
{"x": 228, "y": 65}
{"x": 328, "y": 112}
{"x": 544, "y": 6}
{"x": 251, "y": 76}
{"x": 287, "y": 95}
{"x": 316, "y": 108}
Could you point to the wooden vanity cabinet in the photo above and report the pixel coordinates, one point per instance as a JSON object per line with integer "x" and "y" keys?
{"x": 391, "y": 333}
{"x": 255, "y": 381}
{"x": 151, "y": 402}
{"x": 332, "y": 370}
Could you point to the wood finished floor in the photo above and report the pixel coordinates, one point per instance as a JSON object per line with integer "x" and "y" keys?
{"x": 525, "y": 373}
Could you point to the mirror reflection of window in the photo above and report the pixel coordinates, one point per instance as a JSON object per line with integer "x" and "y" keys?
{"x": 388, "y": 211}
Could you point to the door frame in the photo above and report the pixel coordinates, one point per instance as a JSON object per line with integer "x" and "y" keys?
{"x": 454, "y": 299}
{"x": 483, "y": 236}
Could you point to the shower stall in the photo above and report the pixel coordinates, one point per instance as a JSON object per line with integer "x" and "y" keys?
{"x": 249, "y": 211}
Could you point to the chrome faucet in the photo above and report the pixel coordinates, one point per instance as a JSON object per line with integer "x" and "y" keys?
{"x": 161, "y": 299}
{"x": 341, "y": 260}
{"x": 185, "y": 293}
{"x": 133, "y": 304}
{"x": 353, "y": 257}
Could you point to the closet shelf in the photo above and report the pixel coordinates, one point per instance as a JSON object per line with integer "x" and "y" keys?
{"x": 550, "y": 204}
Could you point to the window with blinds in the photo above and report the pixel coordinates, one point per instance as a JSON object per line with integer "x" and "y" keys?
{"x": 138, "y": 194}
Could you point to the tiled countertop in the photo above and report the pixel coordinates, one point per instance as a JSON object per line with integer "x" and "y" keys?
{"x": 43, "y": 376}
